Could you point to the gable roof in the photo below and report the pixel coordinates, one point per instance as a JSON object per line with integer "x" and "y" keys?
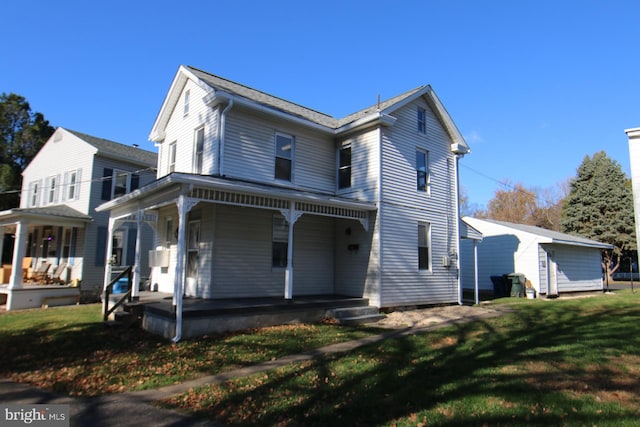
{"x": 220, "y": 90}
{"x": 550, "y": 235}
{"x": 117, "y": 150}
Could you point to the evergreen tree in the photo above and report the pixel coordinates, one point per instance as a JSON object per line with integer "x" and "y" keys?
{"x": 600, "y": 207}
{"x": 22, "y": 134}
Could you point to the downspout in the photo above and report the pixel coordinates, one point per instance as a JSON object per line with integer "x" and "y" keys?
{"x": 222, "y": 125}
{"x": 456, "y": 205}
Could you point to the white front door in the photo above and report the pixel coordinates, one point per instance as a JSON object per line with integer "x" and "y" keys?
{"x": 193, "y": 245}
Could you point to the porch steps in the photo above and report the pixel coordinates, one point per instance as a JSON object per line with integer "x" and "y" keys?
{"x": 130, "y": 316}
{"x": 355, "y": 315}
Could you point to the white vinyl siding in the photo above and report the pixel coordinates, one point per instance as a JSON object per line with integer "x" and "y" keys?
{"x": 236, "y": 254}
{"x": 249, "y": 152}
{"x": 182, "y": 129}
{"x": 365, "y": 161}
{"x": 579, "y": 268}
{"x": 400, "y": 212}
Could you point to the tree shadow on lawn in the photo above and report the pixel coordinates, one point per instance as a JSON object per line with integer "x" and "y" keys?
{"x": 548, "y": 367}
{"x": 89, "y": 359}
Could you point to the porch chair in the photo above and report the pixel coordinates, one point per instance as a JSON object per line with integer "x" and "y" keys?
{"x": 40, "y": 275}
{"x": 26, "y": 268}
{"x": 55, "y": 277}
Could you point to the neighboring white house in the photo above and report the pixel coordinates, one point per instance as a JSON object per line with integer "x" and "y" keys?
{"x": 257, "y": 196}
{"x": 554, "y": 262}
{"x": 56, "y": 221}
{"x": 634, "y": 161}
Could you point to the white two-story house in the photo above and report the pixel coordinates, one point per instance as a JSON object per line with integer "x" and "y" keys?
{"x": 257, "y": 196}
{"x": 56, "y": 222}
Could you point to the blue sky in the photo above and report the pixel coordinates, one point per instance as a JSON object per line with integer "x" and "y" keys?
{"x": 534, "y": 86}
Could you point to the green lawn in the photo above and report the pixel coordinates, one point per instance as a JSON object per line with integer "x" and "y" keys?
{"x": 570, "y": 362}
{"x": 550, "y": 363}
{"x": 69, "y": 350}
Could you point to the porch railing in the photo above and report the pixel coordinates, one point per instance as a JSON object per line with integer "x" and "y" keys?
{"x": 125, "y": 296}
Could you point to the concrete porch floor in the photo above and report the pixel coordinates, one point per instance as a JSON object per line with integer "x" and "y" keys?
{"x": 206, "y": 316}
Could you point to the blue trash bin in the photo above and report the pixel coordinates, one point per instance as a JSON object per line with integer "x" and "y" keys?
{"x": 121, "y": 286}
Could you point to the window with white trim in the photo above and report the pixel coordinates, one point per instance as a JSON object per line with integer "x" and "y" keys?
{"x": 422, "y": 120}
{"x": 198, "y": 150}
{"x": 344, "y": 167}
{"x": 187, "y": 99}
{"x": 424, "y": 246}
{"x": 73, "y": 184}
{"x": 34, "y": 192}
{"x": 280, "y": 241}
{"x": 120, "y": 183}
{"x": 52, "y": 189}
{"x": 423, "y": 175}
{"x": 172, "y": 156}
{"x": 284, "y": 157}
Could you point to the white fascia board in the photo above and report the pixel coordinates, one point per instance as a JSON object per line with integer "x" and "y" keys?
{"x": 157, "y": 133}
{"x": 633, "y": 132}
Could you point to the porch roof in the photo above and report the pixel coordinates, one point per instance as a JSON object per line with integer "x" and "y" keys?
{"x": 50, "y": 215}
{"x": 231, "y": 191}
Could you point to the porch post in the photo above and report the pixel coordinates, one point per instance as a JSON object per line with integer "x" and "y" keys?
{"x": 107, "y": 263}
{"x": 475, "y": 270}
{"x": 291, "y": 217}
{"x": 135, "y": 291}
{"x": 184, "y": 206}
{"x": 19, "y": 246}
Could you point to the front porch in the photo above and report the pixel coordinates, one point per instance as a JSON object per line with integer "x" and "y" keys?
{"x": 34, "y": 296}
{"x": 210, "y": 316}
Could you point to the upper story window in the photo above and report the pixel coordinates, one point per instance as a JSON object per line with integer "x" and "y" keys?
{"x": 284, "y": 156}
{"x": 198, "y": 150}
{"x": 187, "y": 99}
{"x": 116, "y": 183}
{"x": 422, "y": 171}
{"x": 172, "y": 156}
{"x": 35, "y": 193}
{"x": 120, "y": 184}
{"x": 52, "y": 190}
{"x": 424, "y": 246}
{"x": 344, "y": 167}
{"x": 422, "y": 120}
{"x": 72, "y": 182}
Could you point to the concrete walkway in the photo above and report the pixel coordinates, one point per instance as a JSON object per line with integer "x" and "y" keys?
{"x": 136, "y": 409}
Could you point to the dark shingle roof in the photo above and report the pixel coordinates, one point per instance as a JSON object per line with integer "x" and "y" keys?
{"x": 289, "y": 107}
{"x": 116, "y": 149}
